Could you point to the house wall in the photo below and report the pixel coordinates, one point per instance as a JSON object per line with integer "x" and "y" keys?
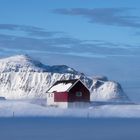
{"x": 51, "y": 100}
{"x": 79, "y": 87}
{"x": 61, "y": 97}
{"x": 70, "y": 99}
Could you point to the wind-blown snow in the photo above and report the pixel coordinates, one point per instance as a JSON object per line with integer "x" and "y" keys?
{"x": 28, "y": 108}
{"x": 61, "y": 87}
{"x": 21, "y": 77}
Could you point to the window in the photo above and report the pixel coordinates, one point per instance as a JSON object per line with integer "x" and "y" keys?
{"x": 50, "y": 94}
{"x": 79, "y": 94}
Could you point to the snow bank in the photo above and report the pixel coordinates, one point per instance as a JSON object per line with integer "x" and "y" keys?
{"x": 29, "y": 108}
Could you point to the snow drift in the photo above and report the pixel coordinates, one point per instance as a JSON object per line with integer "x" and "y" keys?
{"x": 22, "y": 77}
{"x": 28, "y": 108}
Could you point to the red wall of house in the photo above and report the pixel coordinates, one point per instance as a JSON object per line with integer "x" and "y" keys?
{"x": 71, "y": 95}
{"x": 60, "y": 97}
{"x": 79, "y": 87}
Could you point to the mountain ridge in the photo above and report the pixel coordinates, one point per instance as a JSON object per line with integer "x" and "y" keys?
{"x": 26, "y": 63}
{"x": 22, "y": 77}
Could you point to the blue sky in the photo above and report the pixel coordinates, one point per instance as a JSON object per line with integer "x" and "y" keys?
{"x": 93, "y": 36}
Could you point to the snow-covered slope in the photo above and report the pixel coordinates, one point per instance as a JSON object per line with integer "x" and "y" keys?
{"x": 107, "y": 90}
{"x": 26, "y": 108}
{"x": 22, "y": 77}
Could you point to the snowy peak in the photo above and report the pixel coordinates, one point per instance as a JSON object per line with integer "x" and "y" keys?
{"x": 62, "y": 69}
{"x": 24, "y": 63}
{"x": 20, "y": 63}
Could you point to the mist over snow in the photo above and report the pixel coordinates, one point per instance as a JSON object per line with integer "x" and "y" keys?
{"x": 30, "y": 108}
{"x": 24, "y": 82}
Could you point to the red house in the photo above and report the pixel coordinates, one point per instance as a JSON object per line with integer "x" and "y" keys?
{"x": 68, "y": 93}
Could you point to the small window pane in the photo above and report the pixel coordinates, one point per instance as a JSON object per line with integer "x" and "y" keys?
{"x": 78, "y": 94}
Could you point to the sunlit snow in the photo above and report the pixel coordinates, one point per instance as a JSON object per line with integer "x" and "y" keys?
{"x": 61, "y": 87}
{"x": 24, "y": 108}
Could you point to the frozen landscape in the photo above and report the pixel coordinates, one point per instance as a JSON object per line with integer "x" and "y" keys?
{"x": 25, "y": 115}
{"x": 34, "y": 108}
{"x": 69, "y": 70}
{"x": 22, "y": 77}
{"x": 24, "y": 82}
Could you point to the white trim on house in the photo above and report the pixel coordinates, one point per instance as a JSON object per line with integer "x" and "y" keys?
{"x": 75, "y": 84}
{"x": 84, "y": 84}
{"x": 72, "y": 86}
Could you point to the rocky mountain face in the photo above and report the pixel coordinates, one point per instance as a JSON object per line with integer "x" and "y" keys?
{"x": 21, "y": 77}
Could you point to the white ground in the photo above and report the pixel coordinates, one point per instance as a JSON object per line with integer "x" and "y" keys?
{"x": 25, "y": 108}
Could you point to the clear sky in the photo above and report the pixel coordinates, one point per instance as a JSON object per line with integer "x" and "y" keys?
{"x": 93, "y": 36}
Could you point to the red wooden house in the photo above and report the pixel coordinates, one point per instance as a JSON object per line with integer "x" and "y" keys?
{"x": 68, "y": 93}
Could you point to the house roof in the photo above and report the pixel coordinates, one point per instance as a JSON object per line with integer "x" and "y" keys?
{"x": 63, "y": 85}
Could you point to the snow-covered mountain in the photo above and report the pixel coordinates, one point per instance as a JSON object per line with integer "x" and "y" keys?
{"x": 22, "y": 77}
{"x": 24, "y": 63}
